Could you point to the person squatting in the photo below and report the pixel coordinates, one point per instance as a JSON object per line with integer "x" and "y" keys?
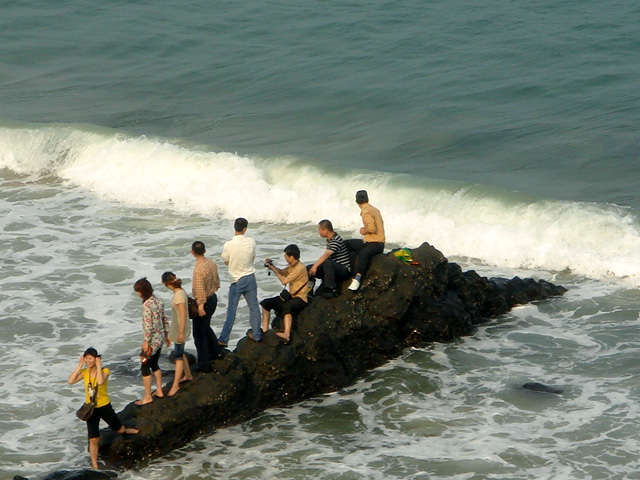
{"x": 340, "y": 261}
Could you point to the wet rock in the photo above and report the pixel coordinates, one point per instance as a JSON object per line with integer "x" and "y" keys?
{"x": 540, "y": 387}
{"x": 84, "y": 474}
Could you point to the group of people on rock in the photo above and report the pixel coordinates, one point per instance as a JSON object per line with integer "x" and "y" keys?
{"x": 333, "y": 267}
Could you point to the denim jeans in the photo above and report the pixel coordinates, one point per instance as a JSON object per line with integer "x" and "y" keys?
{"x": 247, "y": 287}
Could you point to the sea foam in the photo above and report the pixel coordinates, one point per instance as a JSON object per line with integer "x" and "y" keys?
{"x": 500, "y": 228}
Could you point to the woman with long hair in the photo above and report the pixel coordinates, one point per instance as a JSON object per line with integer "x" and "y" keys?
{"x": 156, "y": 331}
{"x": 180, "y": 329}
{"x": 96, "y": 382}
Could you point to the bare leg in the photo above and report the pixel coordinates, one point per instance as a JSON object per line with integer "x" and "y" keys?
{"x": 187, "y": 370}
{"x": 147, "y": 392}
{"x": 288, "y": 320}
{"x": 93, "y": 451}
{"x": 158, "y": 376}
{"x": 266, "y": 316}
{"x": 177, "y": 376}
{"x": 130, "y": 431}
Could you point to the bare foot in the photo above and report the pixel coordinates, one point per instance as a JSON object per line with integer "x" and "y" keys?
{"x": 143, "y": 401}
{"x": 158, "y": 393}
{"x": 131, "y": 431}
{"x": 173, "y": 391}
{"x": 186, "y": 379}
{"x": 283, "y": 336}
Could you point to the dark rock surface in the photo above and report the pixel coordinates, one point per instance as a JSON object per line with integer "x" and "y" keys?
{"x": 333, "y": 343}
{"x": 84, "y": 474}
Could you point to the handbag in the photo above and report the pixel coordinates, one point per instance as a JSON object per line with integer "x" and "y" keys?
{"x": 86, "y": 410}
{"x": 192, "y": 307}
{"x": 285, "y": 295}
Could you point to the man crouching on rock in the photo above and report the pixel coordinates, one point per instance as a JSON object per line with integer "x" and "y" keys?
{"x": 290, "y": 302}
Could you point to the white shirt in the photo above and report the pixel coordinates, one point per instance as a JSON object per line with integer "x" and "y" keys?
{"x": 239, "y": 253}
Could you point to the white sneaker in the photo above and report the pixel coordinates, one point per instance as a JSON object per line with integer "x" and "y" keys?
{"x": 355, "y": 285}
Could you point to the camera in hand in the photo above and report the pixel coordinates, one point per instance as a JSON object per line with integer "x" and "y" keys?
{"x": 268, "y": 263}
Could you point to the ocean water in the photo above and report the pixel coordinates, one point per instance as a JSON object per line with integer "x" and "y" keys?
{"x": 503, "y": 133}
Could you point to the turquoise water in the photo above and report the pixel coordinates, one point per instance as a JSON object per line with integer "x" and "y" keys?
{"x": 504, "y": 133}
{"x": 533, "y": 96}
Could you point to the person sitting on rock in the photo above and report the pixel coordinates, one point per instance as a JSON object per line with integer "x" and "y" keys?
{"x": 373, "y": 238}
{"x": 333, "y": 265}
{"x": 288, "y": 303}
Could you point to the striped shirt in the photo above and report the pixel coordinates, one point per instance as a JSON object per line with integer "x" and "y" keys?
{"x": 339, "y": 248}
{"x": 205, "y": 279}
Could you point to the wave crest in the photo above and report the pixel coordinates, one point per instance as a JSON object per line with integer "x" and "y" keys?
{"x": 498, "y": 227}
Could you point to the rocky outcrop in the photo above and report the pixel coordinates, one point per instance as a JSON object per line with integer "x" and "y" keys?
{"x": 333, "y": 343}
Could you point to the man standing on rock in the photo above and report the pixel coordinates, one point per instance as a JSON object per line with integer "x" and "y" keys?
{"x": 373, "y": 237}
{"x": 239, "y": 253}
{"x": 205, "y": 284}
{"x": 333, "y": 265}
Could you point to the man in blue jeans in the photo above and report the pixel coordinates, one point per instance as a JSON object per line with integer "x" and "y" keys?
{"x": 239, "y": 253}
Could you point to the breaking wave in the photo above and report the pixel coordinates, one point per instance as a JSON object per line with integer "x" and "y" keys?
{"x": 497, "y": 227}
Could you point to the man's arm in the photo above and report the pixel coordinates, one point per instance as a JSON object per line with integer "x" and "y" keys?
{"x": 281, "y": 274}
{"x": 323, "y": 258}
{"x": 369, "y": 223}
{"x": 199, "y": 293}
{"x": 216, "y": 277}
{"x": 225, "y": 255}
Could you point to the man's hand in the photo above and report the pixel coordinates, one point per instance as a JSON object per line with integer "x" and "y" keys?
{"x": 201, "y": 312}
{"x": 312, "y": 271}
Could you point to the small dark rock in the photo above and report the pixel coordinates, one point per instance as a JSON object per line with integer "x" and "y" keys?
{"x": 85, "y": 474}
{"x": 540, "y": 387}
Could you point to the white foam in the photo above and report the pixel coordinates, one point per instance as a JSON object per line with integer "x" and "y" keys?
{"x": 500, "y": 228}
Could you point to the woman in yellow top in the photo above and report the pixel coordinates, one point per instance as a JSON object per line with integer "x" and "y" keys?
{"x": 96, "y": 381}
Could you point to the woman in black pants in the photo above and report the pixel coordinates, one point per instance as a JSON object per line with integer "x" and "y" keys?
{"x": 96, "y": 381}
